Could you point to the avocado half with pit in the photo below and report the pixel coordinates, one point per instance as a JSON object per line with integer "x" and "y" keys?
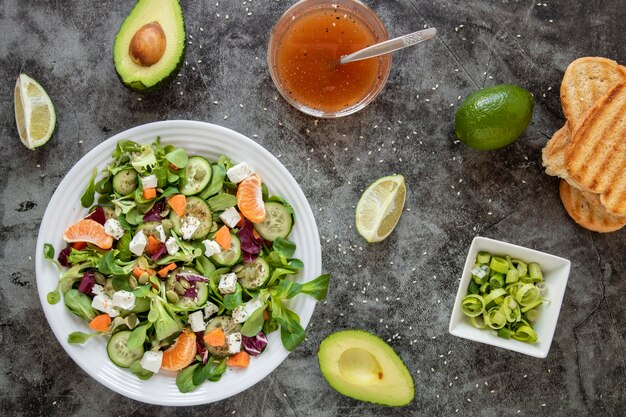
{"x": 149, "y": 48}
{"x": 362, "y": 366}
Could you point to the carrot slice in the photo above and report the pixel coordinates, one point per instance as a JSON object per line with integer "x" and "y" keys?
{"x": 79, "y": 245}
{"x": 215, "y": 338}
{"x": 223, "y": 237}
{"x": 178, "y": 203}
{"x": 149, "y": 193}
{"x": 239, "y": 360}
{"x": 266, "y": 315}
{"x": 169, "y": 267}
{"x": 138, "y": 271}
{"x": 242, "y": 220}
{"x": 153, "y": 245}
{"x": 101, "y": 323}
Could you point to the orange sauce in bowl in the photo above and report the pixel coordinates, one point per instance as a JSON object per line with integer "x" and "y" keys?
{"x": 307, "y": 59}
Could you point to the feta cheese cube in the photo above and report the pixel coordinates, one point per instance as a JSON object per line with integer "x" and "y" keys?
{"x": 151, "y": 361}
{"x": 97, "y": 289}
{"x": 149, "y": 182}
{"x": 114, "y": 229}
{"x": 228, "y": 283}
{"x": 196, "y": 321}
{"x": 172, "y": 246}
{"x": 188, "y": 227}
{"x": 124, "y": 300}
{"x": 233, "y": 341}
{"x": 230, "y": 217}
{"x": 239, "y": 172}
{"x": 161, "y": 233}
{"x": 211, "y": 247}
{"x": 138, "y": 243}
{"x": 243, "y": 312}
{"x": 210, "y": 309}
{"x": 102, "y": 302}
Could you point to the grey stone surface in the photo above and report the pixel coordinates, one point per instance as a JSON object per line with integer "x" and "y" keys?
{"x": 411, "y": 278}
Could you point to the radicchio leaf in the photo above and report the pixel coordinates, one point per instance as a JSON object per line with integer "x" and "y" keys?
{"x": 161, "y": 250}
{"x": 87, "y": 282}
{"x": 250, "y": 245}
{"x": 201, "y": 348}
{"x": 62, "y": 258}
{"x": 191, "y": 277}
{"x": 191, "y": 292}
{"x": 254, "y": 345}
{"x": 154, "y": 214}
{"x": 97, "y": 215}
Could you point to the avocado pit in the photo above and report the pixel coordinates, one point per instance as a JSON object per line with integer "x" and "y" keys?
{"x": 147, "y": 45}
{"x": 360, "y": 367}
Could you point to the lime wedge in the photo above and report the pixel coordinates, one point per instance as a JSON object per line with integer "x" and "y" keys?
{"x": 380, "y": 207}
{"x": 34, "y": 112}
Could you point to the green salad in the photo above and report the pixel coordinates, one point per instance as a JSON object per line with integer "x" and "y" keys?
{"x": 184, "y": 263}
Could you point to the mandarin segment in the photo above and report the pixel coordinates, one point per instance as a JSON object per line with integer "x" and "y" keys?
{"x": 250, "y": 199}
{"x": 181, "y": 353}
{"x": 90, "y": 231}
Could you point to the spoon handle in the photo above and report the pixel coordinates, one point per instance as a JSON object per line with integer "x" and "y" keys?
{"x": 390, "y": 45}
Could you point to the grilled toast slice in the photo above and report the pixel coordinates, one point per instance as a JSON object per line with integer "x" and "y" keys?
{"x": 553, "y": 154}
{"x": 596, "y": 156}
{"x": 586, "y": 210}
{"x": 585, "y": 81}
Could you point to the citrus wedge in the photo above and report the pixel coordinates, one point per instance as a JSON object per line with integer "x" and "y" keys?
{"x": 34, "y": 112}
{"x": 380, "y": 207}
{"x": 250, "y": 199}
{"x": 90, "y": 231}
{"x": 181, "y": 353}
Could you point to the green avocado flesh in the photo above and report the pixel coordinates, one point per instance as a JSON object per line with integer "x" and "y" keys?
{"x": 168, "y": 14}
{"x": 362, "y": 366}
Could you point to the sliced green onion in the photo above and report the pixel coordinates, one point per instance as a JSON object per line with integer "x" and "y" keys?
{"x": 494, "y": 318}
{"x": 521, "y": 267}
{"x": 532, "y": 315}
{"x": 495, "y": 296}
{"x": 496, "y": 281}
{"x": 512, "y": 276}
{"x": 499, "y": 265}
{"x": 534, "y": 271}
{"x": 532, "y": 305}
{"x": 511, "y": 310}
{"x": 473, "y": 305}
{"x": 473, "y": 288}
{"x": 542, "y": 287}
{"x": 478, "y": 322}
{"x": 505, "y": 333}
{"x": 525, "y": 334}
{"x": 483, "y": 257}
{"x": 483, "y": 287}
{"x": 527, "y": 294}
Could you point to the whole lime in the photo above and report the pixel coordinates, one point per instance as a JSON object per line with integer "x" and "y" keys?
{"x": 494, "y": 117}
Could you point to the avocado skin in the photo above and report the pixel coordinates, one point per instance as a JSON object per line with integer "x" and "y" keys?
{"x": 138, "y": 86}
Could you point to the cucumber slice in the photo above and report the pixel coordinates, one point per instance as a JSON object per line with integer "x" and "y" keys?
{"x": 118, "y": 351}
{"x": 199, "y": 209}
{"x": 231, "y": 256}
{"x": 202, "y": 288}
{"x": 125, "y": 181}
{"x": 252, "y": 275}
{"x": 278, "y": 222}
{"x": 149, "y": 228}
{"x": 217, "y": 182}
{"x": 195, "y": 176}
{"x": 228, "y": 326}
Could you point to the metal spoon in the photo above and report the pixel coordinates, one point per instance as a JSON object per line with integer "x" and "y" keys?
{"x": 390, "y": 45}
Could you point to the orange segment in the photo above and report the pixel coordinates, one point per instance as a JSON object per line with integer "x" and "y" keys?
{"x": 250, "y": 199}
{"x": 90, "y": 231}
{"x": 181, "y": 353}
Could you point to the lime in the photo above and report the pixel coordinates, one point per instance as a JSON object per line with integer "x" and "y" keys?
{"x": 494, "y": 117}
{"x": 380, "y": 207}
{"x": 34, "y": 112}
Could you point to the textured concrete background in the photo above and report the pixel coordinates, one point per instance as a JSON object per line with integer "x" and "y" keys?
{"x": 66, "y": 45}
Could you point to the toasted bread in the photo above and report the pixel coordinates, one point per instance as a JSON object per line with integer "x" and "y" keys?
{"x": 553, "y": 154}
{"x": 585, "y": 81}
{"x": 596, "y": 156}
{"x": 586, "y": 210}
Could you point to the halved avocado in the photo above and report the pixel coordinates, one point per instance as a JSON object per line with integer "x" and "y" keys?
{"x": 149, "y": 48}
{"x": 362, "y": 366}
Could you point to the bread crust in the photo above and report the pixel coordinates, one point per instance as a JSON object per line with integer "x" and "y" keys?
{"x": 586, "y": 210}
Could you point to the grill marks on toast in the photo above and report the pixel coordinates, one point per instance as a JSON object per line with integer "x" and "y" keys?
{"x": 586, "y": 210}
{"x": 594, "y": 158}
{"x": 585, "y": 81}
{"x": 553, "y": 154}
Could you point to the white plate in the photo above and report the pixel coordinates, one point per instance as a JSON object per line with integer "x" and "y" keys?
{"x": 64, "y": 208}
{"x": 555, "y": 273}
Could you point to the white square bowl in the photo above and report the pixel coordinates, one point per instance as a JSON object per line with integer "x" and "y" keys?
{"x": 555, "y": 272}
